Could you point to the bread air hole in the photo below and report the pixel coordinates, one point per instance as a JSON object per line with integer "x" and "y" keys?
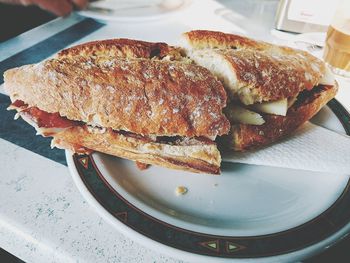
{"x": 155, "y": 53}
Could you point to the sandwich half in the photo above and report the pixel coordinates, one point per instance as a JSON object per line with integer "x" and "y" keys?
{"x": 272, "y": 89}
{"x": 133, "y": 99}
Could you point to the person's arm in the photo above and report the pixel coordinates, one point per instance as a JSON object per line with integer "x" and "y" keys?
{"x": 58, "y": 7}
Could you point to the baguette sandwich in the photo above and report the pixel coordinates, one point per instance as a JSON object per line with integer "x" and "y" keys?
{"x": 133, "y": 99}
{"x": 163, "y": 105}
{"x": 272, "y": 89}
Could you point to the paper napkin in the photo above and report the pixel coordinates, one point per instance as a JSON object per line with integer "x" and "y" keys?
{"x": 311, "y": 147}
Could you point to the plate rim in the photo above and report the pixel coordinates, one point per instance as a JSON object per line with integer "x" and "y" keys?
{"x": 139, "y": 19}
{"x": 300, "y": 253}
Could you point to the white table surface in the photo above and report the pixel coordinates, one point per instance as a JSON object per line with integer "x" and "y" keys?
{"x": 43, "y": 218}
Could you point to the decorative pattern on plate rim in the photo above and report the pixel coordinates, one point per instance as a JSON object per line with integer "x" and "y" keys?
{"x": 311, "y": 232}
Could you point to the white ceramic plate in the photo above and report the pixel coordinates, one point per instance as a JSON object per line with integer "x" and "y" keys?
{"x": 134, "y": 11}
{"x": 249, "y": 212}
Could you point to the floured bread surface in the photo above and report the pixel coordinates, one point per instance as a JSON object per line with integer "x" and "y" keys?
{"x": 254, "y": 71}
{"x": 144, "y": 96}
{"x": 202, "y": 39}
{"x": 121, "y": 48}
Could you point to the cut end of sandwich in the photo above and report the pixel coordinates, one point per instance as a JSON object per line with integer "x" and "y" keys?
{"x": 198, "y": 155}
{"x": 245, "y": 137}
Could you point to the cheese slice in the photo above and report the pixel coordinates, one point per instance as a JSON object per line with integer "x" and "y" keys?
{"x": 328, "y": 78}
{"x": 239, "y": 114}
{"x": 278, "y": 107}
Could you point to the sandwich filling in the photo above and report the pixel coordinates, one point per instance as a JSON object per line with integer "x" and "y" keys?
{"x": 54, "y": 125}
{"x": 45, "y": 123}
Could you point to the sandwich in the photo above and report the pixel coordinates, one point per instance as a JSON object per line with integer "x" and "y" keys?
{"x": 272, "y": 90}
{"x": 132, "y": 99}
{"x": 171, "y": 106}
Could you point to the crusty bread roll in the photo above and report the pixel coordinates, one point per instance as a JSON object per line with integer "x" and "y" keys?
{"x": 244, "y": 137}
{"x": 275, "y": 88}
{"x": 145, "y": 89}
{"x": 254, "y": 71}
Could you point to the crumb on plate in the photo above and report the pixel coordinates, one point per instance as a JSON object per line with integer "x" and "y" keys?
{"x": 181, "y": 190}
{"x": 142, "y": 166}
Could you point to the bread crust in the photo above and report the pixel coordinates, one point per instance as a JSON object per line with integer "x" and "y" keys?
{"x": 144, "y": 96}
{"x": 264, "y": 72}
{"x": 202, "y": 39}
{"x": 121, "y": 48}
{"x": 200, "y": 158}
{"x": 244, "y": 137}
